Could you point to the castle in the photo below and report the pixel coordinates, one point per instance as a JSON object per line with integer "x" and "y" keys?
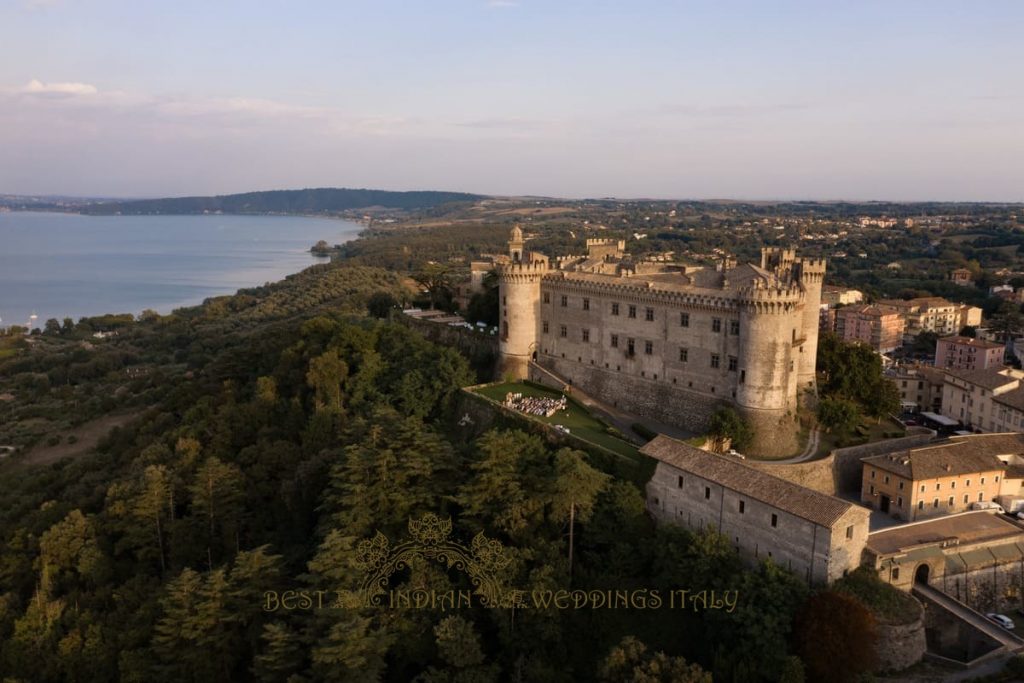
{"x": 668, "y": 341}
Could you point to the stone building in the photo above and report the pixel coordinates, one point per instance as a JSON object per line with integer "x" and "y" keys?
{"x": 962, "y": 277}
{"x": 817, "y": 536}
{"x": 933, "y": 480}
{"x": 880, "y": 327}
{"x": 967, "y": 353}
{"x": 834, "y": 295}
{"x": 975, "y": 557}
{"x": 668, "y": 341}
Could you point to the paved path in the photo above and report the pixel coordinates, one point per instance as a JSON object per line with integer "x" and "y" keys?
{"x": 810, "y": 450}
{"x": 1009, "y": 639}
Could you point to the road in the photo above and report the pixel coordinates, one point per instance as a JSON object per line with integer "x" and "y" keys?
{"x": 1009, "y": 639}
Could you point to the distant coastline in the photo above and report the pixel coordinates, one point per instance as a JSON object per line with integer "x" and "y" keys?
{"x": 67, "y": 264}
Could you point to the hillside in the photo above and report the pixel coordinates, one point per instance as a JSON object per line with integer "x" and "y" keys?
{"x": 307, "y": 201}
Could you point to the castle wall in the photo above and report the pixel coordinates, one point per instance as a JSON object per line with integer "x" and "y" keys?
{"x": 519, "y": 294}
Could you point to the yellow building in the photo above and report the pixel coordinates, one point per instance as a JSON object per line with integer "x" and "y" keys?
{"x": 933, "y": 480}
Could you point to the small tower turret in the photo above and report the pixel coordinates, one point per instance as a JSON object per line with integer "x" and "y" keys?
{"x": 519, "y": 306}
{"x": 516, "y": 244}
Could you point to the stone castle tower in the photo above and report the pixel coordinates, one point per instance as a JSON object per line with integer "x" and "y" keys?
{"x": 668, "y": 341}
{"x": 519, "y": 290}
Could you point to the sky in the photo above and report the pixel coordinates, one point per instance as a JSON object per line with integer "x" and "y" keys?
{"x": 893, "y": 100}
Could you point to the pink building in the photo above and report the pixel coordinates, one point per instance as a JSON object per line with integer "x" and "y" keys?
{"x": 965, "y": 353}
{"x": 878, "y": 326}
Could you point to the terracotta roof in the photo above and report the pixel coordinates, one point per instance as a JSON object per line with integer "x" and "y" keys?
{"x": 956, "y": 456}
{"x": 816, "y": 507}
{"x": 971, "y": 341}
{"x": 987, "y": 379}
{"x": 1012, "y": 399}
{"x": 874, "y": 310}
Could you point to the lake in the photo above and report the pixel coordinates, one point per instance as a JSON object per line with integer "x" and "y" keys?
{"x": 57, "y": 265}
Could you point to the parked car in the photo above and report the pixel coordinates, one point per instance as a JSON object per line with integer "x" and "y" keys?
{"x": 988, "y": 505}
{"x": 1020, "y": 515}
{"x": 1003, "y": 620}
{"x": 733, "y": 452}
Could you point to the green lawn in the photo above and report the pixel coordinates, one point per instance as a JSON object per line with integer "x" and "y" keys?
{"x": 875, "y": 432}
{"x": 576, "y": 418}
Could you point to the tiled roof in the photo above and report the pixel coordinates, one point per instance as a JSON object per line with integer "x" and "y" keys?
{"x": 956, "y": 456}
{"x": 971, "y": 341}
{"x": 1012, "y": 399}
{"x": 874, "y": 310}
{"x": 987, "y": 379}
{"x": 797, "y": 500}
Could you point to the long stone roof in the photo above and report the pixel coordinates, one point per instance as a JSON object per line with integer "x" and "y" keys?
{"x": 814, "y": 506}
{"x": 987, "y": 379}
{"x": 956, "y": 456}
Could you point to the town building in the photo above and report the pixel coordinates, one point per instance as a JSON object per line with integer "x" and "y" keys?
{"x": 962, "y": 277}
{"x": 934, "y": 314}
{"x": 920, "y": 386}
{"x": 880, "y": 327}
{"x": 967, "y": 353}
{"x": 932, "y": 480}
{"x": 990, "y": 400}
{"x": 840, "y": 296}
{"x": 816, "y": 536}
{"x": 669, "y": 341}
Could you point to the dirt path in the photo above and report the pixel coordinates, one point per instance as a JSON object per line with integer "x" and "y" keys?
{"x": 87, "y": 435}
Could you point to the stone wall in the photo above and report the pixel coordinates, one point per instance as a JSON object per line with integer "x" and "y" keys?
{"x": 840, "y": 471}
{"x": 900, "y": 646}
{"x": 847, "y": 467}
{"x": 995, "y": 588}
{"x": 655, "y": 399}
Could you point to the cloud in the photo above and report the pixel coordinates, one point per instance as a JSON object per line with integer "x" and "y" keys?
{"x": 36, "y": 87}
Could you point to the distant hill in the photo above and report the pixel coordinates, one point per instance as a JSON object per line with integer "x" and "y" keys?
{"x": 320, "y": 200}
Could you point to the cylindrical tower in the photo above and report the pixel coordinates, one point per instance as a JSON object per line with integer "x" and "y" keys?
{"x": 812, "y": 276}
{"x": 771, "y": 318}
{"x": 519, "y": 302}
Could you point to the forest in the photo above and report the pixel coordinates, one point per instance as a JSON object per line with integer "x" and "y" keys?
{"x": 276, "y": 431}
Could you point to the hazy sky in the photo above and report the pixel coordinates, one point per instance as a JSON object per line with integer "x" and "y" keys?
{"x": 770, "y": 99}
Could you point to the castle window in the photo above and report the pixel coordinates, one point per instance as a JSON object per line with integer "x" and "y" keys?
{"x": 707, "y": 493}
{"x": 887, "y": 479}
{"x": 544, "y": 327}
{"x": 680, "y": 481}
{"x": 920, "y": 505}
{"x": 899, "y": 501}
{"x": 734, "y": 327}
{"x": 630, "y": 347}
{"x": 586, "y": 335}
{"x": 743, "y": 376}
{"x": 565, "y": 301}
{"x": 648, "y": 347}
{"x": 952, "y": 484}
{"x": 586, "y": 304}
{"x": 743, "y": 506}
{"x": 547, "y": 297}
{"x": 901, "y": 486}
{"x": 683, "y": 354}
{"x": 615, "y": 341}
{"x": 504, "y": 301}
{"x": 563, "y": 331}
{"x": 632, "y": 311}
{"x": 935, "y": 503}
{"x": 951, "y": 501}
{"x": 684, "y": 319}
{"x": 733, "y": 363}
{"x": 716, "y": 324}
{"x": 981, "y": 496}
{"x": 849, "y": 531}
{"x": 922, "y": 488}
{"x": 716, "y": 360}
{"x": 615, "y": 309}
{"x": 649, "y": 314}
{"x": 966, "y": 498}
{"x": 504, "y": 330}
{"x": 775, "y": 523}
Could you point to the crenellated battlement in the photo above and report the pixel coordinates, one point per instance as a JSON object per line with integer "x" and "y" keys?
{"x": 531, "y": 268}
